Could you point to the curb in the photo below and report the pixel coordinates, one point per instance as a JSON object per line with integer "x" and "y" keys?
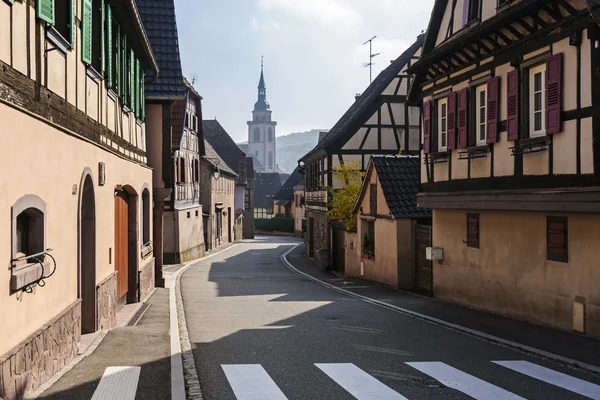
{"x": 436, "y": 321}
{"x": 183, "y": 367}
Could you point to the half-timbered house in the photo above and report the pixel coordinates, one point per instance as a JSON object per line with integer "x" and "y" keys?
{"x": 378, "y": 122}
{"x": 184, "y": 236}
{"x": 511, "y": 156}
{"x": 75, "y": 182}
{"x": 158, "y": 17}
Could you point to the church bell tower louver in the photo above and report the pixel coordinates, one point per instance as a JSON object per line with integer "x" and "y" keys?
{"x": 261, "y": 131}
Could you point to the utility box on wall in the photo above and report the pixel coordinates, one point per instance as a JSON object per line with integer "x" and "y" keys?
{"x": 435, "y": 253}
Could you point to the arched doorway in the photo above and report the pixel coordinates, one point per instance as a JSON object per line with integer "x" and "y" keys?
{"x": 87, "y": 256}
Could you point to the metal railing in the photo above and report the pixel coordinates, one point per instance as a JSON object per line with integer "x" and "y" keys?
{"x": 188, "y": 191}
{"x": 37, "y": 258}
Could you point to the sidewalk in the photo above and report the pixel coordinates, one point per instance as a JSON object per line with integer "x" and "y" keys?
{"x": 526, "y": 336}
{"x": 145, "y": 345}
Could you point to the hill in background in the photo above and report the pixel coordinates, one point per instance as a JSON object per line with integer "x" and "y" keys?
{"x": 293, "y": 146}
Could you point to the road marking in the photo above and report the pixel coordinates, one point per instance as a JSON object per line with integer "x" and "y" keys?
{"x": 118, "y": 383}
{"x": 358, "y": 383}
{"x": 361, "y": 329}
{"x": 463, "y": 382}
{"x": 555, "y": 378}
{"x": 252, "y": 382}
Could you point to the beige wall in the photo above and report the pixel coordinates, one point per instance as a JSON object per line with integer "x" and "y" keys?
{"x": 223, "y": 190}
{"x": 184, "y": 233}
{"x": 52, "y": 169}
{"x": 66, "y": 74}
{"x": 565, "y": 160}
{"x": 509, "y": 272}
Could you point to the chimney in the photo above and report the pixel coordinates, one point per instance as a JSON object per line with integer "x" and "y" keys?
{"x": 356, "y": 97}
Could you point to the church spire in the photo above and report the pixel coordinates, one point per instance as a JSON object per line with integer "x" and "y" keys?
{"x": 261, "y": 83}
{"x": 262, "y": 104}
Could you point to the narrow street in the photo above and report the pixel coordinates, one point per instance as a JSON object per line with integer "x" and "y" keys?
{"x": 259, "y": 331}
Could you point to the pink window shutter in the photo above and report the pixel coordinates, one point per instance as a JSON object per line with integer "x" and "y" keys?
{"x": 427, "y": 127}
{"x": 554, "y": 94}
{"x": 512, "y": 105}
{"x": 463, "y": 105}
{"x": 452, "y": 121}
{"x": 492, "y": 110}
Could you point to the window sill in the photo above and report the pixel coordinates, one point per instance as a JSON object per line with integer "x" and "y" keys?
{"x": 437, "y": 158}
{"x": 531, "y": 145}
{"x": 95, "y": 75}
{"x": 147, "y": 250}
{"x": 24, "y": 274}
{"x": 368, "y": 257}
{"x": 113, "y": 95}
{"x": 56, "y": 38}
{"x": 475, "y": 152}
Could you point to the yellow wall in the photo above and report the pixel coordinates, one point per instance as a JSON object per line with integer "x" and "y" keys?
{"x": 52, "y": 169}
{"x": 509, "y": 272}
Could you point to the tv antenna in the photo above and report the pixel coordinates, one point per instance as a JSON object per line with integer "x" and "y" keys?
{"x": 194, "y": 77}
{"x": 371, "y": 57}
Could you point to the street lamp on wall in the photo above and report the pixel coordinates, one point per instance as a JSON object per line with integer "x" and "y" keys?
{"x": 217, "y": 173}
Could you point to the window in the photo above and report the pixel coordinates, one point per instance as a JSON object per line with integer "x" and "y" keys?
{"x": 368, "y": 245}
{"x": 472, "y": 11}
{"x": 373, "y": 198}
{"x": 180, "y": 169}
{"x": 270, "y": 159}
{"x": 270, "y": 135}
{"x": 473, "y": 230}
{"x": 443, "y": 124}
{"x": 537, "y": 96}
{"x": 96, "y": 34}
{"x": 196, "y": 170}
{"x": 256, "y": 134}
{"x": 557, "y": 239}
{"x": 145, "y": 217}
{"x": 62, "y": 18}
{"x": 481, "y": 98}
{"x": 28, "y": 226}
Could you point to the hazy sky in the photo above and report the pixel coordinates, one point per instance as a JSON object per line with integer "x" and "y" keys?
{"x": 313, "y": 53}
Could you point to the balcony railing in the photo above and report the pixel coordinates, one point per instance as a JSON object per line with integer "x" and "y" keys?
{"x": 188, "y": 191}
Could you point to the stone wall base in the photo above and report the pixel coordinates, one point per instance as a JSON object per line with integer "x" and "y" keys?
{"x": 146, "y": 279}
{"x": 185, "y": 256}
{"x": 107, "y": 302}
{"x": 44, "y": 353}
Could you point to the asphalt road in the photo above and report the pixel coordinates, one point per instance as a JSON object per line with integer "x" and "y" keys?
{"x": 260, "y": 331}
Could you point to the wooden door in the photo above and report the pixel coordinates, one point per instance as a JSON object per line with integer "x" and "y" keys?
{"x": 339, "y": 249}
{"x": 424, "y": 270}
{"x": 121, "y": 243}
{"x": 311, "y": 237}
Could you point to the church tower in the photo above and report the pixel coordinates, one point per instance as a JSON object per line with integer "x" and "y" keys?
{"x": 261, "y": 131}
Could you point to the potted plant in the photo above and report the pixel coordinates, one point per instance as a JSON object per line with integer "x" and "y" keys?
{"x": 368, "y": 248}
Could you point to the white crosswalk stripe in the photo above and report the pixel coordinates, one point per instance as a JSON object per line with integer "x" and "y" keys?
{"x": 118, "y": 383}
{"x": 555, "y": 378}
{"x": 358, "y": 383}
{"x": 463, "y": 382}
{"x": 252, "y": 382}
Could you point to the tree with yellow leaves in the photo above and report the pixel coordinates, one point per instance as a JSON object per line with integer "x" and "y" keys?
{"x": 342, "y": 200}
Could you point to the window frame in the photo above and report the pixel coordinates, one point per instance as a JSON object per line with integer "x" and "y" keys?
{"x": 532, "y": 72}
{"x": 551, "y": 219}
{"x": 25, "y": 203}
{"x": 473, "y": 243}
{"x": 478, "y": 121}
{"x": 471, "y": 14}
{"x": 442, "y": 104}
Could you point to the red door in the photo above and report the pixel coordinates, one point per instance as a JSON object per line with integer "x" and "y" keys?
{"x": 121, "y": 243}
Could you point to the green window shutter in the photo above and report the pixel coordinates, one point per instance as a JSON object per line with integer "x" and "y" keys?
{"x": 102, "y": 39}
{"x": 86, "y": 31}
{"x": 124, "y": 70}
{"x": 138, "y": 100}
{"x": 118, "y": 60}
{"x": 109, "y": 46}
{"x": 45, "y": 10}
{"x": 143, "y": 97}
{"x": 73, "y": 23}
{"x": 131, "y": 87}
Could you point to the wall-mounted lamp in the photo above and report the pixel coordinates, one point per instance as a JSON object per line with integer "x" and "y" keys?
{"x": 217, "y": 173}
